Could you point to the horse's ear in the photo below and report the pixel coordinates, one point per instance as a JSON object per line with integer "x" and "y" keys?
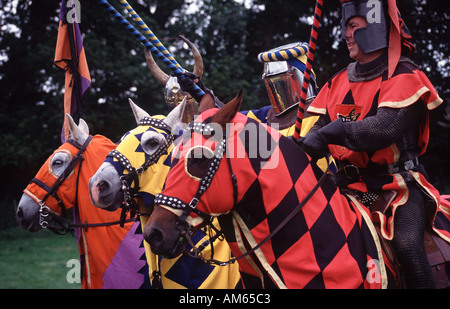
{"x": 75, "y": 132}
{"x": 82, "y": 125}
{"x": 138, "y": 112}
{"x": 206, "y": 103}
{"x": 228, "y": 111}
{"x": 175, "y": 116}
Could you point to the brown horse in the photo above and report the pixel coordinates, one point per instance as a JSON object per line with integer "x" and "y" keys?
{"x": 286, "y": 222}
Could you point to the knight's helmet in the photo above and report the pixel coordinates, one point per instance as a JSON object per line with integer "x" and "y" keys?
{"x": 385, "y": 28}
{"x": 283, "y": 76}
{"x": 375, "y": 35}
{"x": 173, "y": 94}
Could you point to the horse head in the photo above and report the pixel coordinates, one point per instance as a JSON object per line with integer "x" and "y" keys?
{"x": 134, "y": 174}
{"x": 145, "y": 148}
{"x": 200, "y": 151}
{"x": 53, "y": 186}
{"x": 275, "y": 208}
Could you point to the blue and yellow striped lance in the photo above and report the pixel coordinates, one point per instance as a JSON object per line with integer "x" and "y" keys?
{"x": 285, "y": 54}
{"x": 155, "y": 41}
{"x": 165, "y": 57}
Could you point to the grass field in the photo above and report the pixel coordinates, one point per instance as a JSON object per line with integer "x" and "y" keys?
{"x": 35, "y": 261}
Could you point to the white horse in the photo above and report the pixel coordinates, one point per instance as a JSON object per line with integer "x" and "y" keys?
{"x": 139, "y": 166}
{"x": 62, "y": 183}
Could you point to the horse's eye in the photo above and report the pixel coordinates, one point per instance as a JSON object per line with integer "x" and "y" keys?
{"x": 197, "y": 161}
{"x": 152, "y": 143}
{"x": 59, "y": 162}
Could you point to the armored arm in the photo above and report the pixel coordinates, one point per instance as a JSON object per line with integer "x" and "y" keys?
{"x": 376, "y": 132}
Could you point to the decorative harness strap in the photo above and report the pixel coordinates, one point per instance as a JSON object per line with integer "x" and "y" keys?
{"x": 63, "y": 225}
{"x": 129, "y": 192}
{"x": 182, "y": 225}
{"x": 44, "y": 210}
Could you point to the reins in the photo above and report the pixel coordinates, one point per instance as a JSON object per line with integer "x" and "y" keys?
{"x": 63, "y": 225}
{"x": 185, "y": 229}
{"x": 197, "y": 251}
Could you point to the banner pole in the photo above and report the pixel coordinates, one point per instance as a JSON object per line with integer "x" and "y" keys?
{"x": 308, "y": 67}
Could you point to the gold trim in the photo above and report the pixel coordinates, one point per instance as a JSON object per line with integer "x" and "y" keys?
{"x": 384, "y": 279}
{"x": 86, "y": 254}
{"x": 50, "y": 161}
{"x": 317, "y": 110}
{"x": 396, "y": 152}
{"x": 187, "y": 157}
{"x": 34, "y": 197}
{"x": 417, "y": 178}
{"x": 402, "y": 185}
{"x": 407, "y": 102}
{"x": 258, "y": 252}
{"x": 241, "y": 246}
{"x": 444, "y": 210}
{"x": 435, "y": 103}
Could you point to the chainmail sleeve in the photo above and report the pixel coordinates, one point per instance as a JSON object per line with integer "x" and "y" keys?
{"x": 388, "y": 126}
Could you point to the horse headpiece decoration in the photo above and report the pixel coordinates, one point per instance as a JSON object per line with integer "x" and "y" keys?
{"x": 134, "y": 173}
{"x": 276, "y": 209}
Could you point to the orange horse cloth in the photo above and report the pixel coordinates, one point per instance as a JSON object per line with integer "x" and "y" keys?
{"x": 110, "y": 256}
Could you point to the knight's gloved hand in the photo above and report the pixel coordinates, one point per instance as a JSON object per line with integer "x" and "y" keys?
{"x": 316, "y": 144}
{"x": 298, "y": 141}
{"x": 187, "y": 84}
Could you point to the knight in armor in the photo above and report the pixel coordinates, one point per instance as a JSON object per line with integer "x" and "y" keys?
{"x": 173, "y": 92}
{"x": 282, "y": 79}
{"x": 373, "y": 119}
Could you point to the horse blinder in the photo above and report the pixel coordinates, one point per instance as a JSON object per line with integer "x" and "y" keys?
{"x": 130, "y": 193}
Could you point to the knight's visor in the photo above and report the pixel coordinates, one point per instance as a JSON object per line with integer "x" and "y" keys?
{"x": 283, "y": 84}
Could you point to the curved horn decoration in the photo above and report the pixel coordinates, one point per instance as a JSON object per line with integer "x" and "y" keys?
{"x": 198, "y": 60}
{"x": 159, "y": 74}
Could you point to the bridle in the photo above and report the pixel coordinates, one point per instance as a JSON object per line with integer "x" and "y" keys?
{"x": 44, "y": 211}
{"x": 63, "y": 225}
{"x": 131, "y": 192}
{"x": 186, "y": 230}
